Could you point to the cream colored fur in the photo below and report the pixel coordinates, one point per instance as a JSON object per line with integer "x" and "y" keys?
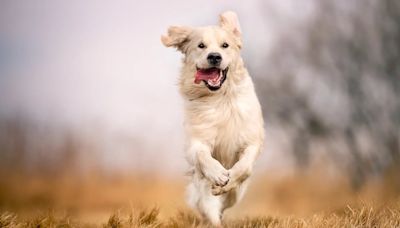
{"x": 224, "y": 128}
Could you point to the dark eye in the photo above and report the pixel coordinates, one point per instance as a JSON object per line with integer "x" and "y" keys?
{"x": 225, "y": 45}
{"x": 201, "y": 45}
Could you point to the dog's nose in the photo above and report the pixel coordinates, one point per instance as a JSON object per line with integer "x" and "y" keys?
{"x": 214, "y": 58}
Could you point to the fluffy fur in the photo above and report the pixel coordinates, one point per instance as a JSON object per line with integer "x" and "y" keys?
{"x": 224, "y": 128}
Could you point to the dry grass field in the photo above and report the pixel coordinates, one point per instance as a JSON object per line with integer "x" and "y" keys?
{"x": 150, "y": 201}
{"x": 350, "y": 217}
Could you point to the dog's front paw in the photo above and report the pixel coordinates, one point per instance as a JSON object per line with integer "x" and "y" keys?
{"x": 217, "y": 174}
{"x": 217, "y": 190}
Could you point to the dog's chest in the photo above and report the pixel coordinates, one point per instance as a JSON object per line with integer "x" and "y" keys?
{"x": 230, "y": 124}
{"x": 224, "y": 123}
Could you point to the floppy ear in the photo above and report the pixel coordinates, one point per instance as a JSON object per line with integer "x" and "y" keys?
{"x": 229, "y": 21}
{"x": 177, "y": 36}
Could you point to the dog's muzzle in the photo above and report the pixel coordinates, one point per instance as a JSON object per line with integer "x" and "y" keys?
{"x": 212, "y": 77}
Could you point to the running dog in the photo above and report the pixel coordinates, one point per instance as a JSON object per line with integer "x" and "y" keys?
{"x": 223, "y": 118}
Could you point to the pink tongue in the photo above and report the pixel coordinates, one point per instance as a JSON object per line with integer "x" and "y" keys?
{"x": 206, "y": 74}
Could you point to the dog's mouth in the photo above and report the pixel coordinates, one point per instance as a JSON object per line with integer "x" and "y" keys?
{"x": 212, "y": 77}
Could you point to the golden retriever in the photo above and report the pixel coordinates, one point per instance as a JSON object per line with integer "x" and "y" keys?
{"x": 223, "y": 119}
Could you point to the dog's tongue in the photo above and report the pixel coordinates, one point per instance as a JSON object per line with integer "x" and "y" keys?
{"x": 206, "y": 74}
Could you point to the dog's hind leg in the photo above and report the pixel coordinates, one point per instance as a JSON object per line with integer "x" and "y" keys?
{"x": 199, "y": 197}
{"x": 234, "y": 196}
{"x": 211, "y": 207}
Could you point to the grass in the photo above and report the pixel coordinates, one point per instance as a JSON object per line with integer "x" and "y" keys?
{"x": 365, "y": 216}
{"x": 119, "y": 202}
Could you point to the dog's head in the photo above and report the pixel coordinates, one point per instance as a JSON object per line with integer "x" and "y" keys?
{"x": 209, "y": 51}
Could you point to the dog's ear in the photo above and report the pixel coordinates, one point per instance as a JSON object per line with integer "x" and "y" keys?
{"x": 229, "y": 21}
{"x": 177, "y": 37}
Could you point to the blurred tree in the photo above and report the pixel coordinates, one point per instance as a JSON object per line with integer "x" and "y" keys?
{"x": 335, "y": 79}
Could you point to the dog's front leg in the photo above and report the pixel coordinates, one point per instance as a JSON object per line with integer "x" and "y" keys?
{"x": 199, "y": 155}
{"x": 240, "y": 171}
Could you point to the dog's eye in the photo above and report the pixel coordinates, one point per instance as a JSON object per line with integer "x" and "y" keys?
{"x": 201, "y": 45}
{"x": 225, "y": 45}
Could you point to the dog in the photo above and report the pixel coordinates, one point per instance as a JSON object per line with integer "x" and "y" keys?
{"x": 222, "y": 115}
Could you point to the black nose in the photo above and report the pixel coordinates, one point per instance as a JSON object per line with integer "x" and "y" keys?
{"x": 214, "y": 58}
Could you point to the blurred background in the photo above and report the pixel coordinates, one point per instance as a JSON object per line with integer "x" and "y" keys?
{"x": 91, "y": 117}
